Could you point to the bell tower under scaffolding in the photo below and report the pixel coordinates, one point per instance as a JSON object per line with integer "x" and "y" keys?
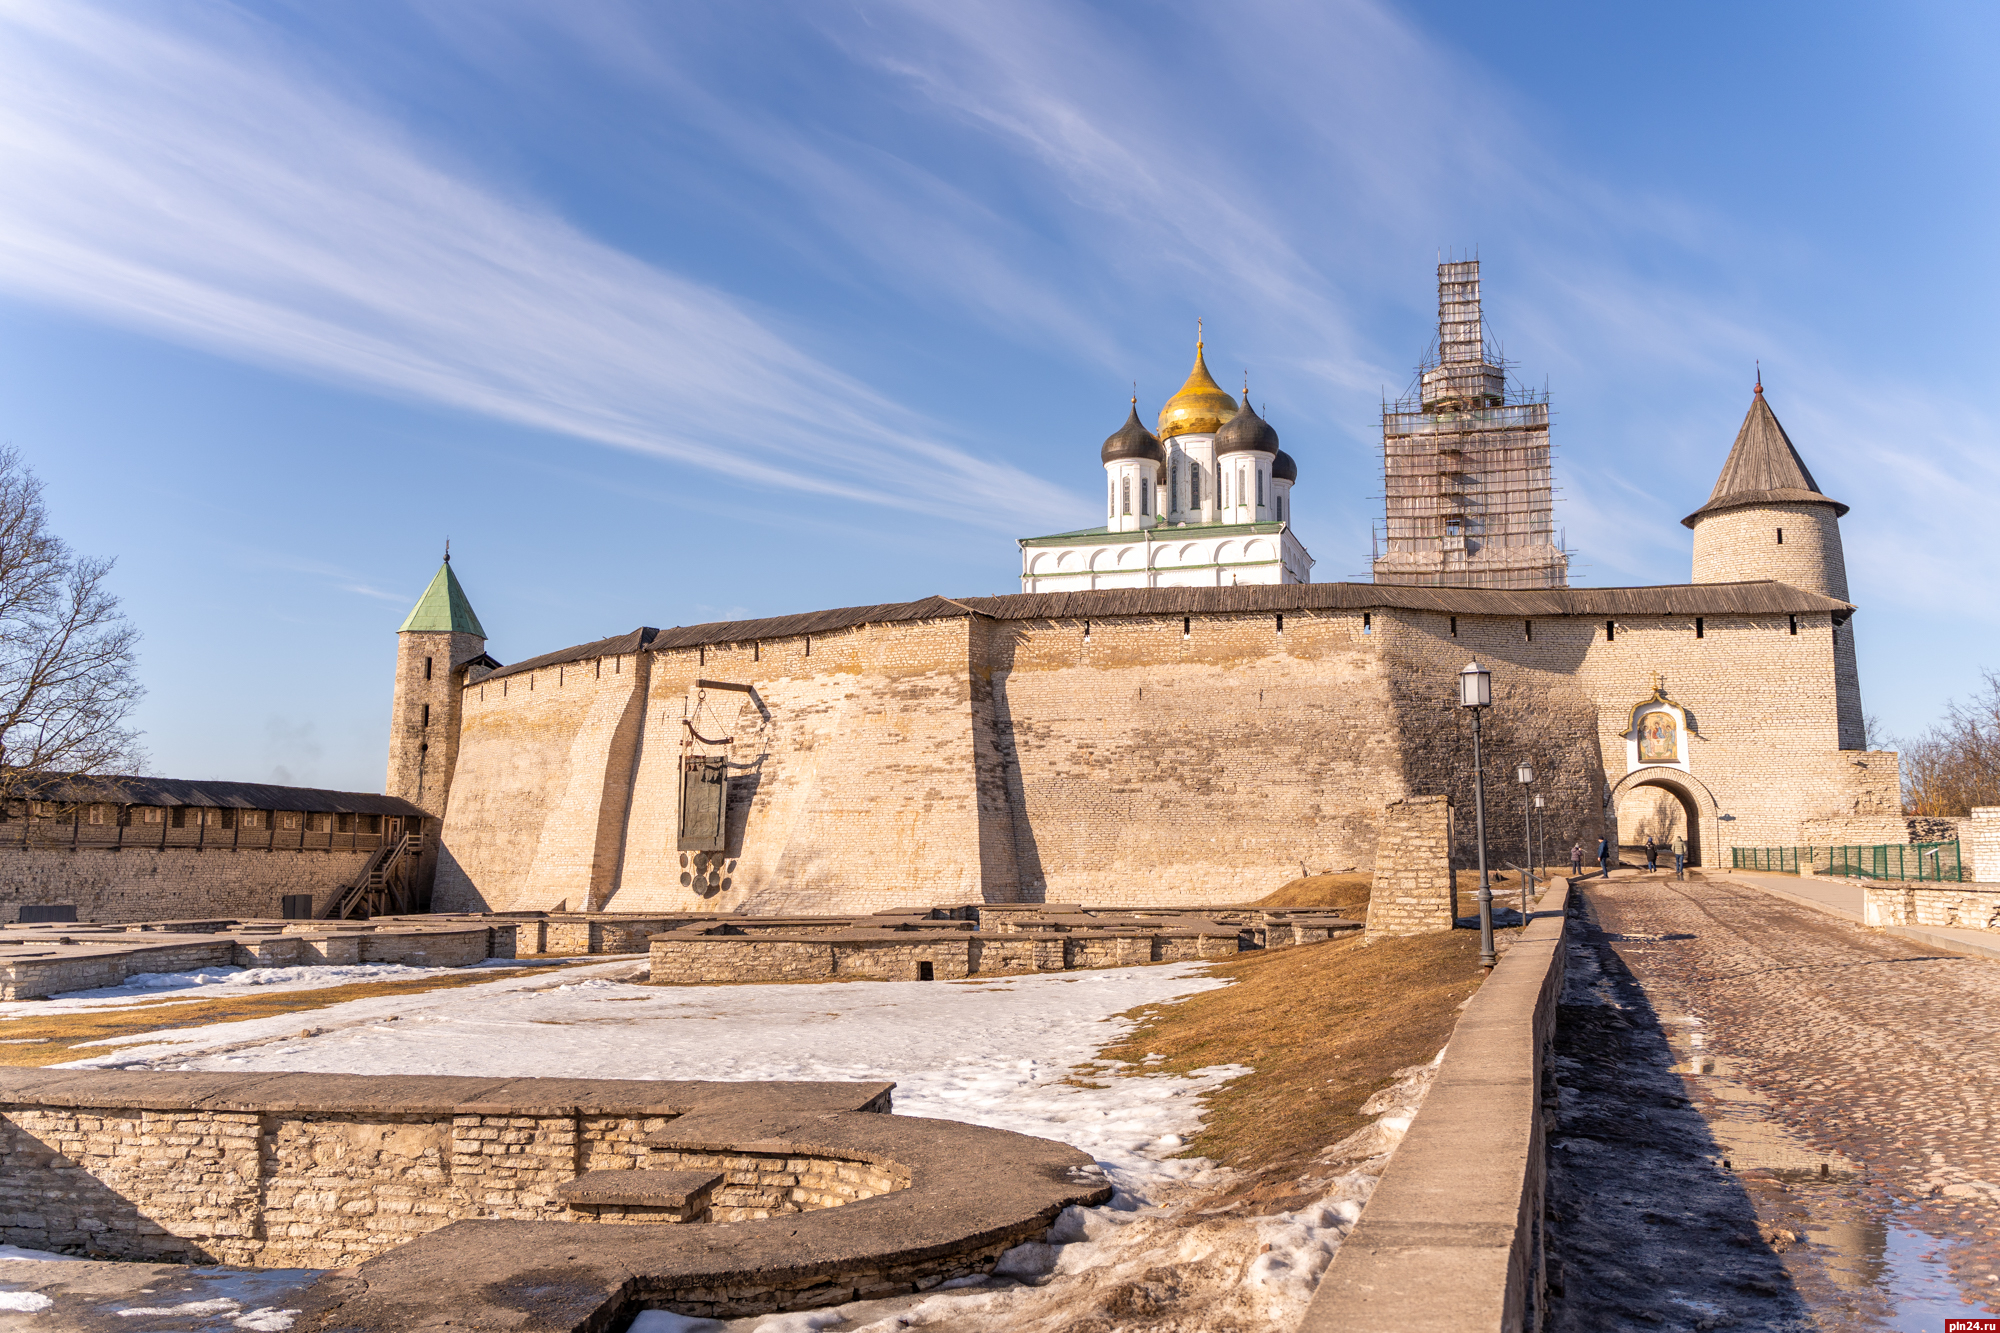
{"x": 1466, "y": 467}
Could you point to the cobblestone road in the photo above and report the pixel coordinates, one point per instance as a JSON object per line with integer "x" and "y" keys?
{"x": 1850, "y": 1081}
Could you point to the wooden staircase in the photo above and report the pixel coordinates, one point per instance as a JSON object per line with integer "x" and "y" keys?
{"x": 386, "y": 886}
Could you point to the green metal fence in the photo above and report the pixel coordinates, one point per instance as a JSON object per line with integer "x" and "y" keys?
{"x": 1889, "y": 860}
{"x": 1897, "y": 860}
{"x": 1782, "y": 860}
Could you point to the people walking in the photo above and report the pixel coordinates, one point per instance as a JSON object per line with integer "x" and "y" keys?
{"x": 1604, "y": 856}
{"x": 1576, "y": 860}
{"x": 1652, "y": 853}
{"x": 1680, "y": 856}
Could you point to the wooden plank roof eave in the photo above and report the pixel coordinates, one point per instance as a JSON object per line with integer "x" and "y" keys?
{"x": 122, "y": 789}
{"x": 1752, "y": 597}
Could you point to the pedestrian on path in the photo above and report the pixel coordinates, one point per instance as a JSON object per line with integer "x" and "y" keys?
{"x": 1576, "y": 860}
{"x": 1680, "y": 856}
{"x": 1652, "y": 853}
{"x": 1604, "y": 856}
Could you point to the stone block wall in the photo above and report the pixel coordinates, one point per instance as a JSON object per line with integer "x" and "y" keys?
{"x": 1982, "y": 849}
{"x": 1414, "y": 892}
{"x": 150, "y": 884}
{"x": 1964, "y": 906}
{"x": 304, "y": 1186}
{"x": 1180, "y": 760}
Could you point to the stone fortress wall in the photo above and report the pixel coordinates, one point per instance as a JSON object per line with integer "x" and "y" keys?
{"x": 146, "y": 883}
{"x": 1178, "y": 747}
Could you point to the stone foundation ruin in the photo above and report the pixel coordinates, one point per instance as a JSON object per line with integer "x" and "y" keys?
{"x": 460, "y": 1199}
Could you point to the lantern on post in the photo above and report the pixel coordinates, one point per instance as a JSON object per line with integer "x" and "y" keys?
{"x": 1475, "y": 691}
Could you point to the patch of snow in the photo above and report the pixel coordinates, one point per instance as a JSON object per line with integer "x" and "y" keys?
{"x": 24, "y": 1302}
{"x": 266, "y": 1320}
{"x": 222, "y": 1306}
{"x": 666, "y": 1321}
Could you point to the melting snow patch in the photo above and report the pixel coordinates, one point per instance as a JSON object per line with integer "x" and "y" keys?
{"x": 16, "y": 1252}
{"x": 24, "y": 1302}
{"x": 666, "y": 1321}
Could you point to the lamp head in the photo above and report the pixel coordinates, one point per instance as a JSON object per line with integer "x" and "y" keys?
{"x": 1475, "y": 686}
{"x": 1524, "y": 772}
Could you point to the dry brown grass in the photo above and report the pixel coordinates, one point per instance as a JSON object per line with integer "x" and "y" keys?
{"x": 61, "y": 1033}
{"x": 1346, "y": 894}
{"x": 1324, "y": 1026}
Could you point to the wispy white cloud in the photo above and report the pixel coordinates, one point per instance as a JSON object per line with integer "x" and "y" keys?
{"x": 203, "y": 185}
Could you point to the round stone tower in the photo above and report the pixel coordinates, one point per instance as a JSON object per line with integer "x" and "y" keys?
{"x": 1767, "y": 519}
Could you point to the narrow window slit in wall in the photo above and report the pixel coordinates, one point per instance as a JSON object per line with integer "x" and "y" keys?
{"x": 600, "y": 668}
{"x": 1698, "y": 627}
{"x": 1781, "y": 536}
{"x": 1367, "y": 622}
{"x": 427, "y": 716}
{"x": 1187, "y": 626}
{"x": 1795, "y": 624}
{"x": 756, "y": 650}
{"x": 427, "y": 668}
{"x": 1281, "y": 623}
{"x": 1454, "y": 627}
{"x": 809, "y": 645}
{"x": 703, "y": 655}
{"x": 1528, "y": 630}
{"x": 1086, "y": 631}
{"x": 1610, "y": 630}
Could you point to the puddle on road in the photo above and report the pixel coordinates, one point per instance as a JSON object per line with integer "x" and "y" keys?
{"x": 1892, "y": 1276}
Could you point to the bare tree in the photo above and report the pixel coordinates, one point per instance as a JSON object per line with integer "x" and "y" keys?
{"x": 66, "y": 679}
{"x": 1956, "y": 764}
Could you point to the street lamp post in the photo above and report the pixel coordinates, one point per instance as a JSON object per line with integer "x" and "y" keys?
{"x": 1542, "y": 830}
{"x": 1475, "y": 691}
{"x": 1524, "y": 773}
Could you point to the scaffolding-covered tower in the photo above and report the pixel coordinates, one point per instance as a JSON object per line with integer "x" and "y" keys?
{"x": 1465, "y": 465}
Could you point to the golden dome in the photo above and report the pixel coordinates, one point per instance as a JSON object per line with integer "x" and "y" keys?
{"x": 1200, "y": 407}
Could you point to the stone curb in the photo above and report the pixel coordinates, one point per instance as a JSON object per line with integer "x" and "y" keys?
{"x": 1451, "y": 1241}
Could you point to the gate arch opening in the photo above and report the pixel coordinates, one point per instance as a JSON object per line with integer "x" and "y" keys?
{"x": 1661, "y": 807}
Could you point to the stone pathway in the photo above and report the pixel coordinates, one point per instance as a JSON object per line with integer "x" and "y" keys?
{"x": 1770, "y": 1118}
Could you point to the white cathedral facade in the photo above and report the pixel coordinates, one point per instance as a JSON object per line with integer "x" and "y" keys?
{"x": 1205, "y": 503}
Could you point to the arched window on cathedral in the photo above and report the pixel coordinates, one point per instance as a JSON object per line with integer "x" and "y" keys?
{"x": 1173, "y": 486}
{"x": 1194, "y": 485}
{"x": 1260, "y": 488}
{"x": 1125, "y": 492}
{"x": 1144, "y": 489}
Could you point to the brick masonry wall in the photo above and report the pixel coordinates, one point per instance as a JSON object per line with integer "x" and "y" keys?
{"x": 147, "y": 884}
{"x": 1414, "y": 892}
{"x": 980, "y": 760}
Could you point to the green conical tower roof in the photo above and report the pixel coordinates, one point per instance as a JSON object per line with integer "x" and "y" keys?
{"x": 443, "y": 608}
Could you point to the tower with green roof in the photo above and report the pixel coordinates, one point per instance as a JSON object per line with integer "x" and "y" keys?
{"x": 440, "y": 642}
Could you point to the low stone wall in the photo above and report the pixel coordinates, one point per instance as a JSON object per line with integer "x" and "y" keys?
{"x": 147, "y": 883}
{"x": 1414, "y": 891}
{"x": 1908, "y": 903}
{"x": 457, "y": 1188}
{"x": 1451, "y": 1240}
{"x": 44, "y": 960}
{"x": 692, "y": 957}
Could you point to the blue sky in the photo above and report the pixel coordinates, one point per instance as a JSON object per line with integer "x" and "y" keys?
{"x": 675, "y": 313}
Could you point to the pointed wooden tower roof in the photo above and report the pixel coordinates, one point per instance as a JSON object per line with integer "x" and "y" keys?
{"x": 443, "y": 609}
{"x": 1763, "y": 468}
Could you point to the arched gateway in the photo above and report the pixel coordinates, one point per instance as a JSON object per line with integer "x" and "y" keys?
{"x": 1690, "y": 799}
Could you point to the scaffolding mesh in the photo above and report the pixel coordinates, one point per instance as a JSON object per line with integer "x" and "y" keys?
{"x": 1467, "y": 477}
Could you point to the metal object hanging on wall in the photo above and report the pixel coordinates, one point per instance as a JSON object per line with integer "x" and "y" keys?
{"x": 704, "y": 802}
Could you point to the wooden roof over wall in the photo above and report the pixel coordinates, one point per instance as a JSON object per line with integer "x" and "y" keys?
{"x": 1757, "y": 597}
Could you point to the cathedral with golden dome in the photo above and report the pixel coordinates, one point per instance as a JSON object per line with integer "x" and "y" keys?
{"x": 1206, "y": 502}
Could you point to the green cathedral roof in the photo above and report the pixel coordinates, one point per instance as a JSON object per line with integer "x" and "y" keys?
{"x": 443, "y": 608}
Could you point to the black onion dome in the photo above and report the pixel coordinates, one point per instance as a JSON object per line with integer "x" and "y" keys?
{"x": 1246, "y": 433}
{"x": 1133, "y": 440}
{"x": 1285, "y": 468}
